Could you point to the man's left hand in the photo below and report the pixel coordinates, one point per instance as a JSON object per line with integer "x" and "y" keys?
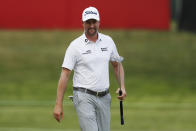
{"x": 122, "y": 97}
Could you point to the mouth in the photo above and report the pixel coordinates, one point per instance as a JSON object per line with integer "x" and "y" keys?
{"x": 91, "y": 29}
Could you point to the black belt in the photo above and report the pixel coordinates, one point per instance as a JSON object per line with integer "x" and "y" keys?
{"x": 100, "y": 94}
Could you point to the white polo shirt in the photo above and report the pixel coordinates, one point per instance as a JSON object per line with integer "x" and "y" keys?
{"x": 90, "y": 61}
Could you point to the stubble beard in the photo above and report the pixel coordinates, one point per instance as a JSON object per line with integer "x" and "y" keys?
{"x": 93, "y": 33}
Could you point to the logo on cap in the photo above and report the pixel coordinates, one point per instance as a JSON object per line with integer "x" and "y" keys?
{"x": 90, "y": 12}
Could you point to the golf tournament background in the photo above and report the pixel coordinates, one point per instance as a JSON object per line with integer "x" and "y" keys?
{"x": 159, "y": 78}
{"x": 159, "y": 68}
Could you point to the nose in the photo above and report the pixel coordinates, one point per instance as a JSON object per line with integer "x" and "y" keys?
{"x": 92, "y": 24}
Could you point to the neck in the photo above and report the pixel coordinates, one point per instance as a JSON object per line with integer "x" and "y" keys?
{"x": 92, "y": 38}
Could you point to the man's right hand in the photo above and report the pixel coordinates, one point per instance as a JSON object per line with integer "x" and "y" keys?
{"x": 58, "y": 112}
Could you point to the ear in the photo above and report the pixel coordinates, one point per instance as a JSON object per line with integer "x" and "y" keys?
{"x": 98, "y": 22}
{"x": 83, "y": 24}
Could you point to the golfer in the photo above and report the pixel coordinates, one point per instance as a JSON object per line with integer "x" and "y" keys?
{"x": 89, "y": 56}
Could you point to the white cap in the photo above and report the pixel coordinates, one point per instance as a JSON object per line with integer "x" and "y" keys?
{"x": 90, "y": 13}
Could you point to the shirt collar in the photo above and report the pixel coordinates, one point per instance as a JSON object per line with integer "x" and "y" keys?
{"x": 87, "y": 41}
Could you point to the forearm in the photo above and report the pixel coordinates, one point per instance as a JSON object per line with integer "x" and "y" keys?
{"x": 122, "y": 76}
{"x": 121, "y": 80}
{"x": 119, "y": 73}
{"x": 62, "y": 85}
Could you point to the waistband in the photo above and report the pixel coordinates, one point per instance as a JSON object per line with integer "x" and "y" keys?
{"x": 100, "y": 94}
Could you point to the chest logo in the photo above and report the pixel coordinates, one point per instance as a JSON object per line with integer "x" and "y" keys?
{"x": 104, "y": 49}
{"x": 87, "y": 52}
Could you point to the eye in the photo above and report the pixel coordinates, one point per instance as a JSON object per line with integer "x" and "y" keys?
{"x": 88, "y": 22}
{"x": 92, "y": 21}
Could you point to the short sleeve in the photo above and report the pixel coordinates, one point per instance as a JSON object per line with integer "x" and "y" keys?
{"x": 70, "y": 58}
{"x": 114, "y": 53}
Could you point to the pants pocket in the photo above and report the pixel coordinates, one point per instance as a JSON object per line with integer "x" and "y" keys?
{"x": 75, "y": 98}
{"x": 78, "y": 97}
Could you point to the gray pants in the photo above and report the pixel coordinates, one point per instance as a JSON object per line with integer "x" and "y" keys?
{"x": 93, "y": 112}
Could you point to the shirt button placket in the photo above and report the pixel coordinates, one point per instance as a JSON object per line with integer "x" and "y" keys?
{"x": 95, "y": 48}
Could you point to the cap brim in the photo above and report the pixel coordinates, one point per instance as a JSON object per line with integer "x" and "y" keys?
{"x": 90, "y": 17}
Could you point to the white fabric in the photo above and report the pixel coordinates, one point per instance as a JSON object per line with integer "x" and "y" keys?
{"x": 90, "y": 61}
{"x": 90, "y": 13}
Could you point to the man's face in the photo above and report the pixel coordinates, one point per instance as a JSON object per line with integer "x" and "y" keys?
{"x": 91, "y": 27}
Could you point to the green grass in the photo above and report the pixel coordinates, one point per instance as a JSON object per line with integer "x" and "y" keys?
{"x": 159, "y": 77}
{"x": 138, "y": 117}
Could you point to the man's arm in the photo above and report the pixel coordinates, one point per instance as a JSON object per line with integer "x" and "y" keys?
{"x": 62, "y": 85}
{"x": 121, "y": 82}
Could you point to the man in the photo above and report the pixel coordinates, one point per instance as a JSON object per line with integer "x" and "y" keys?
{"x": 89, "y": 57}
